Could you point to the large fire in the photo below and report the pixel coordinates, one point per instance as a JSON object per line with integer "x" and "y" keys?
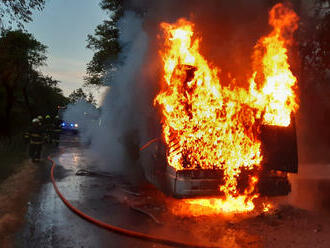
{"x": 210, "y": 126}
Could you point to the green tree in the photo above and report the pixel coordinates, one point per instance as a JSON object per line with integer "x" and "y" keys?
{"x": 313, "y": 73}
{"x": 314, "y": 41}
{"x": 24, "y": 91}
{"x": 45, "y": 96}
{"x": 104, "y": 43}
{"x": 91, "y": 99}
{"x": 18, "y": 11}
{"x": 20, "y": 55}
{"x": 77, "y": 95}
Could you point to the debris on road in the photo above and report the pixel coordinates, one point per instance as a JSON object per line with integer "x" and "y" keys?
{"x": 147, "y": 214}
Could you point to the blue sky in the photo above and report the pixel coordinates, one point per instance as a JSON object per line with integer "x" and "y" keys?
{"x": 63, "y": 26}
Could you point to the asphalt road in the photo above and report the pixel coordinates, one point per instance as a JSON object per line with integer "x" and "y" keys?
{"x": 48, "y": 222}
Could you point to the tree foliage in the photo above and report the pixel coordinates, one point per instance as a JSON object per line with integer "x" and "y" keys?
{"x": 20, "y": 49}
{"x": 24, "y": 91}
{"x": 91, "y": 99}
{"x": 104, "y": 43}
{"x": 79, "y": 95}
{"x": 315, "y": 41}
{"x": 18, "y": 11}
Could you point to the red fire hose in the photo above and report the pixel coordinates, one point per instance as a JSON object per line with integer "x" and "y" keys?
{"x": 119, "y": 230}
{"x": 149, "y": 143}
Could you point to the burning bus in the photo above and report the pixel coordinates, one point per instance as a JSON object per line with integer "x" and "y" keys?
{"x": 219, "y": 140}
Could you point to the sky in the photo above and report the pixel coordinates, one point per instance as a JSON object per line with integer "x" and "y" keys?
{"x": 63, "y": 26}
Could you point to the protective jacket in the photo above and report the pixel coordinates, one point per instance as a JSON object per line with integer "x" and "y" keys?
{"x": 36, "y": 135}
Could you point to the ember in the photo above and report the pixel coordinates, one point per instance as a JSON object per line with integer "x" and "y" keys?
{"x": 209, "y": 126}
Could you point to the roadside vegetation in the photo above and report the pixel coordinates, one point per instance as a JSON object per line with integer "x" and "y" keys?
{"x": 12, "y": 153}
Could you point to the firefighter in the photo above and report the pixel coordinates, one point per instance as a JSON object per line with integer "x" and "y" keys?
{"x": 57, "y": 130}
{"x": 36, "y": 138}
{"x": 48, "y": 129}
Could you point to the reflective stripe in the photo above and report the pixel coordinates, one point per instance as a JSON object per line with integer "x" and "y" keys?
{"x": 36, "y": 142}
{"x": 36, "y": 135}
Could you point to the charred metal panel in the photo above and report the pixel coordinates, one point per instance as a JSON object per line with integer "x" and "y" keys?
{"x": 274, "y": 186}
{"x": 279, "y": 147}
{"x": 194, "y": 183}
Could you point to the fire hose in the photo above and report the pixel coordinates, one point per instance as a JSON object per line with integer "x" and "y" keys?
{"x": 116, "y": 229}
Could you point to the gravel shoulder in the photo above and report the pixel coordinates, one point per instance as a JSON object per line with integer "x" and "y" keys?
{"x": 14, "y": 195}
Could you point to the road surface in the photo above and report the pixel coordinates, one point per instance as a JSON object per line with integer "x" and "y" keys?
{"x": 113, "y": 199}
{"x": 50, "y": 224}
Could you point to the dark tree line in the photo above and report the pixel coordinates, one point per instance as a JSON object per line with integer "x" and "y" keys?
{"x": 24, "y": 91}
{"x": 314, "y": 81}
{"x": 79, "y": 95}
{"x": 314, "y": 41}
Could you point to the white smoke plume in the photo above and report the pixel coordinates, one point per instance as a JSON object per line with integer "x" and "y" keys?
{"x": 113, "y": 135}
{"x": 118, "y": 118}
{"x": 85, "y": 115}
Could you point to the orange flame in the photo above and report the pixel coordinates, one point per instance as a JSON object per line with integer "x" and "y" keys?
{"x": 276, "y": 97}
{"x": 209, "y": 126}
{"x": 267, "y": 207}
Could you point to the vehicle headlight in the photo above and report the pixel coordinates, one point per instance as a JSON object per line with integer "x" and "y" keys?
{"x": 76, "y": 125}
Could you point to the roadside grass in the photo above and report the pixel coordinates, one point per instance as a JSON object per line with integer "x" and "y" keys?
{"x": 13, "y": 152}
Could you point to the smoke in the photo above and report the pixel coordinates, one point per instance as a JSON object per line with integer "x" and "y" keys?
{"x": 115, "y": 142}
{"x": 112, "y": 131}
{"x": 85, "y": 115}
